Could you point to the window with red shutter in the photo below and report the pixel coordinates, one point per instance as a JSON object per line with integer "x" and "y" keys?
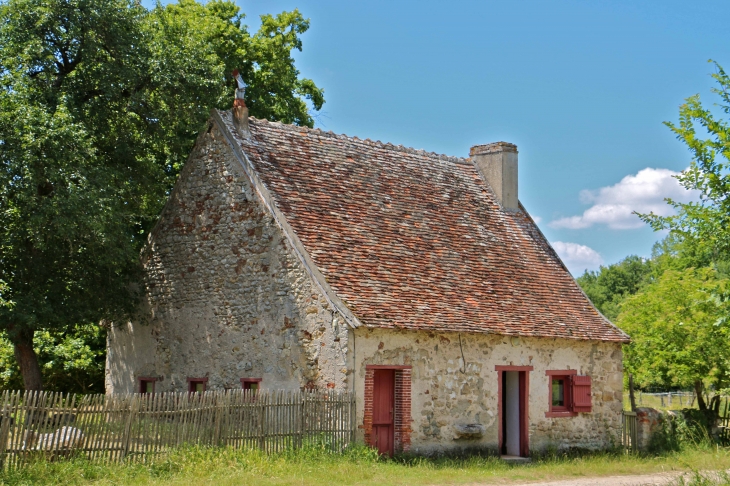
{"x": 560, "y": 397}
{"x": 581, "y": 390}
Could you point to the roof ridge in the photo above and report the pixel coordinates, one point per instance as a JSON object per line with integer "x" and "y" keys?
{"x": 375, "y": 143}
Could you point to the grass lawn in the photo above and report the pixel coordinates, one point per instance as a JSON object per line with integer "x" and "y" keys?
{"x": 653, "y": 400}
{"x": 222, "y": 467}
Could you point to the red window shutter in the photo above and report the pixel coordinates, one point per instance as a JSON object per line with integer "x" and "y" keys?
{"x": 581, "y": 391}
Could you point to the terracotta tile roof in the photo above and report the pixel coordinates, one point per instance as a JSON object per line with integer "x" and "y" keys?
{"x": 415, "y": 240}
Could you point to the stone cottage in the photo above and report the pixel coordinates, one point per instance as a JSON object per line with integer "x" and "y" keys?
{"x": 291, "y": 258}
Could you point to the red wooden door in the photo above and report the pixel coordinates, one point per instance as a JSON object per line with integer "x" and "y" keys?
{"x": 383, "y": 410}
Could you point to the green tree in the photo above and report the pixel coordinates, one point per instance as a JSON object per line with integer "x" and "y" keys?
{"x": 67, "y": 235}
{"x": 194, "y": 48}
{"x": 71, "y": 361}
{"x": 100, "y": 103}
{"x": 679, "y": 332}
{"x": 611, "y": 284}
{"x": 694, "y": 331}
{"x": 702, "y": 228}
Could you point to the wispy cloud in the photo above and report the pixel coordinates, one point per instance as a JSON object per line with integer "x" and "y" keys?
{"x": 614, "y": 205}
{"x": 577, "y": 258}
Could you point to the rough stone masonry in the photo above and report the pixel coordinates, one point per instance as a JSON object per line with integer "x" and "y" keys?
{"x": 232, "y": 294}
{"x": 450, "y": 391}
{"x": 226, "y": 297}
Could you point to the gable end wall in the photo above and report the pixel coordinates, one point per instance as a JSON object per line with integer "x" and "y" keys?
{"x": 226, "y": 297}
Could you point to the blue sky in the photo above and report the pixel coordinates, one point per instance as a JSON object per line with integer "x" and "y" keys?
{"x": 582, "y": 88}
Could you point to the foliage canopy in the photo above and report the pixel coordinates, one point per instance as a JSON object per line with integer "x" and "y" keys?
{"x": 679, "y": 327}
{"x": 674, "y": 305}
{"x": 610, "y": 285}
{"x": 100, "y": 103}
{"x": 703, "y": 227}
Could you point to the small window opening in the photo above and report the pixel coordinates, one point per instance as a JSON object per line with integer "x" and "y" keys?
{"x": 251, "y": 384}
{"x": 197, "y": 385}
{"x": 560, "y": 402}
{"x": 147, "y": 385}
{"x": 558, "y": 392}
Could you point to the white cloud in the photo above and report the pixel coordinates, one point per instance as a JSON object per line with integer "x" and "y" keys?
{"x": 536, "y": 219}
{"x": 614, "y": 205}
{"x": 577, "y": 257}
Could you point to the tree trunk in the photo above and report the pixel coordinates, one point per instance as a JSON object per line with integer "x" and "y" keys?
{"x": 700, "y": 398}
{"x": 715, "y": 404}
{"x": 26, "y": 358}
{"x": 632, "y": 397}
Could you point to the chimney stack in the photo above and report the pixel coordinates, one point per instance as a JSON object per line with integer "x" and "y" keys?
{"x": 497, "y": 164}
{"x": 240, "y": 111}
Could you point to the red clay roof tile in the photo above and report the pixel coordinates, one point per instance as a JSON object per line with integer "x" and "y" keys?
{"x": 416, "y": 240}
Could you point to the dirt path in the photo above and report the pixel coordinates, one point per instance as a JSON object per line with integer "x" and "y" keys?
{"x": 654, "y": 479}
{"x": 640, "y": 480}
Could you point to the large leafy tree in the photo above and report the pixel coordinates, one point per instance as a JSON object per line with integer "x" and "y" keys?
{"x": 195, "y": 47}
{"x": 70, "y": 361}
{"x": 100, "y": 102}
{"x": 77, "y": 183}
{"x": 702, "y": 228}
{"x": 679, "y": 332}
{"x": 687, "y": 346}
{"x": 611, "y": 284}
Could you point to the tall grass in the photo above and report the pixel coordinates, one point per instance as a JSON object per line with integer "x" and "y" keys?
{"x": 696, "y": 478}
{"x": 315, "y": 465}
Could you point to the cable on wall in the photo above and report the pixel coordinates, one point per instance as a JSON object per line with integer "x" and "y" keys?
{"x": 463, "y": 360}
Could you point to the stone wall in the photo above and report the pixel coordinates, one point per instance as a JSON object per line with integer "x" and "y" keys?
{"x": 648, "y": 422}
{"x": 448, "y": 392}
{"x": 226, "y": 298}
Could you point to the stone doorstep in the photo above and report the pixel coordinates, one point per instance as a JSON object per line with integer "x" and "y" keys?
{"x": 515, "y": 459}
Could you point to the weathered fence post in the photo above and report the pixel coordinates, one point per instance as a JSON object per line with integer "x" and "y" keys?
{"x": 133, "y": 409}
{"x": 632, "y": 397}
{"x": 262, "y": 419}
{"x": 302, "y": 408}
{"x": 629, "y": 434}
{"x": 353, "y": 417}
{"x": 5, "y": 416}
{"x": 220, "y": 405}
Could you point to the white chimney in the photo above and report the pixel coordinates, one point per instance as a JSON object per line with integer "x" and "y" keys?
{"x": 497, "y": 164}
{"x": 240, "y": 111}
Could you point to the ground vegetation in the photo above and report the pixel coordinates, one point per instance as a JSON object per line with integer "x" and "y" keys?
{"x": 315, "y": 466}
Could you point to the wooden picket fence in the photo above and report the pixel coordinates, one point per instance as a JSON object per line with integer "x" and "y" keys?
{"x": 630, "y": 432}
{"x": 115, "y": 428}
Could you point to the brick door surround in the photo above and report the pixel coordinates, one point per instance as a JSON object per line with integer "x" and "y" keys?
{"x": 402, "y": 418}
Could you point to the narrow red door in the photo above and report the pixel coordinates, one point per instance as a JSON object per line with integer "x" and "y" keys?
{"x": 383, "y": 410}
